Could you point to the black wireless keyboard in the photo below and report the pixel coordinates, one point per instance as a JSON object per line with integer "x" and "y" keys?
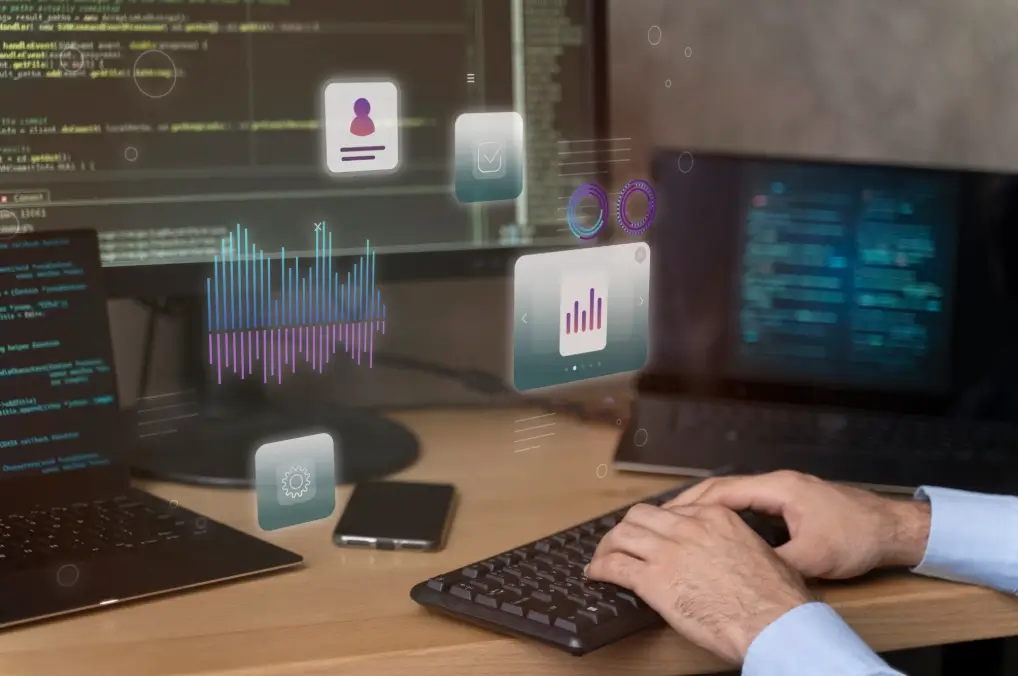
{"x": 538, "y": 590}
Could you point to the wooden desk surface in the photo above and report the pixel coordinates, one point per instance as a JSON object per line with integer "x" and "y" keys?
{"x": 349, "y": 612}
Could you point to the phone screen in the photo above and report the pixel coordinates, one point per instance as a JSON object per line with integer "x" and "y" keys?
{"x": 410, "y": 514}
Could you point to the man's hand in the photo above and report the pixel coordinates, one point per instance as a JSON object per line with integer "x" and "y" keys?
{"x": 837, "y": 532}
{"x": 703, "y": 570}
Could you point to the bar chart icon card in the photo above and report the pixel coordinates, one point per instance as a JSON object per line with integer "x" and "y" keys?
{"x": 361, "y": 123}
{"x": 580, "y": 314}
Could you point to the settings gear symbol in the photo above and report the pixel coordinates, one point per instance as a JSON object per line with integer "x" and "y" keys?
{"x": 296, "y": 482}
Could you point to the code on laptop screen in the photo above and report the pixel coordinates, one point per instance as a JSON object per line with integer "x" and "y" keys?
{"x": 846, "y": 275}
{"x": 58, "y": 406}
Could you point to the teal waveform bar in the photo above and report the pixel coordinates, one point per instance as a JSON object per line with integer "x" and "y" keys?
{"x": 276, "y": 312}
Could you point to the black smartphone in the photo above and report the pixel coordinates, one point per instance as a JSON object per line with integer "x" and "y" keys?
{"x": 397, "y": 515}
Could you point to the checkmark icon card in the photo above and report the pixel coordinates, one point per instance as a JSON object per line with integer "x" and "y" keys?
{"x": 489, "y": 160}
{"x": 489, "y": 157}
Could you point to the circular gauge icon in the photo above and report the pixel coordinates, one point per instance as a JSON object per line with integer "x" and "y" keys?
{"x": 642, "y": 225}
{"x": 587, "y": 190}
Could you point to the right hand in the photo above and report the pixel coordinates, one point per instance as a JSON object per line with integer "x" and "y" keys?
{"x": 837, "y": 532}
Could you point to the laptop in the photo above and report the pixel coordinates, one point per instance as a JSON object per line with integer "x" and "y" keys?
{"x": 854, "y": 321}
{"x": 74, "y": 535}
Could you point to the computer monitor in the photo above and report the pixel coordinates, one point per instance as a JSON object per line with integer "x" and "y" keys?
{"x": 172, "y": 129}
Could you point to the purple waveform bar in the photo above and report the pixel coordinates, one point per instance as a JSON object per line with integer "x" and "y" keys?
{"x": 580, "y": 321}
{"x": 308, "y": 315}
{"x": 317, "y": 346}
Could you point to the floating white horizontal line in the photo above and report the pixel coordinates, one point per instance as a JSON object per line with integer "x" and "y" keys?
{"x": 536, "y": 417}
{"x": 162, "y": 420}
{"x": 595, "y": 150}
{"x": 168, "y": 394}
{"x": 599, "y": 140}
{"x": 535, "y": 427}
{"x": 528, "y": 448}
{"x": 584, "y": 173}
{"x": 570, "y": 164}
{"x": 539, "y": 436}
{"x": 167, "y": 407}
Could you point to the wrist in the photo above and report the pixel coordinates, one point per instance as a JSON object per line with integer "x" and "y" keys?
{"x": 910, "y": 533}
{"x": 747, "y": 632}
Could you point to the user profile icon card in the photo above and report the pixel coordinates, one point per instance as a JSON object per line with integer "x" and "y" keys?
{"x": 361, "y": 123}
{"x": 580, "y": 314}
{"x": 295, "y": 481}
{"x": 489, "y": 153}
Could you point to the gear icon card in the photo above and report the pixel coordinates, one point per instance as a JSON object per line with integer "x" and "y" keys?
{"x": 295, "y": 481}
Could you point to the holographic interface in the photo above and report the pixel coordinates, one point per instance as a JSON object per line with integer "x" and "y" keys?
{"x": 295, "y": 481}
{"x": 277, "y": 312}
{"x": 593, "y": 191}
{"x": 595, "y": 325}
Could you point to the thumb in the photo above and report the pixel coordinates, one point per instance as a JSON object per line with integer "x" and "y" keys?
{"x": 803, "y": 558}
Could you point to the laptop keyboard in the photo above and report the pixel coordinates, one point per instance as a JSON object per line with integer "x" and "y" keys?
{"x": 85, "y": 529}
{"x": 713, "y": 424}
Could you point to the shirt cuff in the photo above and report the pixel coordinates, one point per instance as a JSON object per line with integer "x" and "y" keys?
{"x": 973, "y": 538}
{"x": 812, "y": 639}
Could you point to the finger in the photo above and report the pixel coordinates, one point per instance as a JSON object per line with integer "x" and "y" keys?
{"x": 662, "y": 522}
{"x": 691, "y": 494}
{"x": 799, "y": 556}
{"x": 617, "y": 568}
{"x": 708, "y": 516}
{"x": 767, "y": 493}
{"x": 629, "y": 539}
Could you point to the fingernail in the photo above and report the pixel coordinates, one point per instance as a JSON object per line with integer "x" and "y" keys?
{"x": 585, "y": 570}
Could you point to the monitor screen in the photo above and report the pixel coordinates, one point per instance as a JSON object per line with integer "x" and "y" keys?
{"x": 57, "y": 386}
{"x": 846, "y": 275}
{"x": 165, "y": 125}
{"x": 824, "y": 282}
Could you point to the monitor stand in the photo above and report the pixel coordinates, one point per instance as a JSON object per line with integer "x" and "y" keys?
{"x": 216, "y": 447}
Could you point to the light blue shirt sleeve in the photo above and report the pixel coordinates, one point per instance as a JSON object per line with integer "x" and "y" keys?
{"x": 973, "y": 538}
{"x": 810, "y": 640}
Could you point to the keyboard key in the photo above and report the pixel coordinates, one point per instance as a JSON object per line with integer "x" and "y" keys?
{"x": 513, "y": 589}
{"x": 609, "y": 607}
{"x": 568, "y": 625}
{"x": 513, "y": 609}
{"x": 486, "y": 600}
{"x": 537, "y": 616}
{"x": 462, "y": 592}
{"x": 628, "y": 598}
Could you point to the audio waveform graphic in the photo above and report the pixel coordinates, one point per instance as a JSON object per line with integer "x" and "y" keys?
{"x": 273, "y": 313}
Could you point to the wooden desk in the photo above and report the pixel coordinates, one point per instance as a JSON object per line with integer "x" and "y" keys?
{"x": 348, "y": 612}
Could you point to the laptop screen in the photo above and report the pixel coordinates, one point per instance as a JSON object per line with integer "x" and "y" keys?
{"x": 871, "y": 286}
{"x": 845, "y": 276}
{"x": 58, "y": 405}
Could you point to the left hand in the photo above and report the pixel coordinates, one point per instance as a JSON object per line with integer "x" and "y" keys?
{"x": 706, "y": 572}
